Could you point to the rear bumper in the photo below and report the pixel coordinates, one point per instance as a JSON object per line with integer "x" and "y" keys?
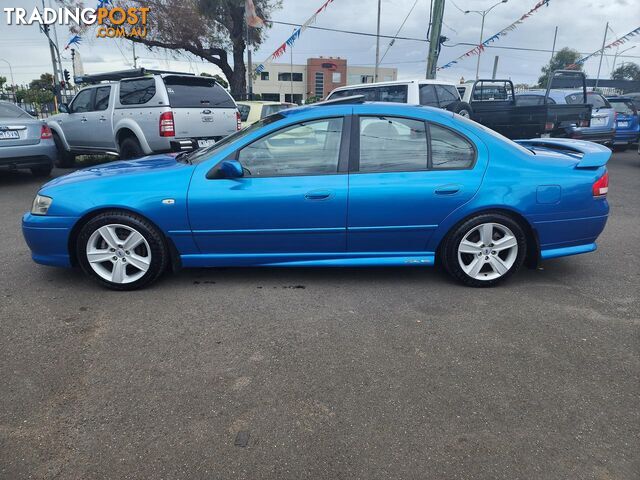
{"x": 561, "y": 238}
{"x": 48, "y": 238}
{"x": 27, "y": 156}
{"x": 597, "y": 136}
{"x": 187, "y": 144}
{"x": 626, "y": 136}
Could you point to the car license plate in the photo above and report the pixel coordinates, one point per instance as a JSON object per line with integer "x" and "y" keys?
{"x": 545, "y": 135}
{"x": 623, "y": 124}
{"x": 9, "y": 134}
{"x": 207, "y": 119}
{"x": 205, "y": 143}
{"x": 598, "y": 121}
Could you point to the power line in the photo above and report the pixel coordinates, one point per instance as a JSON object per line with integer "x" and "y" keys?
{"x": 351, "y": 32}
{"x": 399, "y": 29}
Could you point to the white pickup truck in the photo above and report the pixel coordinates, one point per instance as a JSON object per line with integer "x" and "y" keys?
{"x": 142, "y": 115}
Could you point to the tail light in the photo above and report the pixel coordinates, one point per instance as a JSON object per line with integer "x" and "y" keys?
{"x": 601, "y": 186}
{"x": 548, "y": 126}
{"x": 238, "y": 121}
{"x": 45, "y": 133}
{"x": 167, "y": 127}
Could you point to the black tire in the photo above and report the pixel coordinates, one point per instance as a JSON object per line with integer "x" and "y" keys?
{"x": 449, "y": 250}
{"x": 65, "y": 158}
{"x": 42, "y": 170}
{"x": 154, "y": 238}
{"x": 461, "y": 108}
{"x": 621, "y": 148}
{"x": 130, "y": 149}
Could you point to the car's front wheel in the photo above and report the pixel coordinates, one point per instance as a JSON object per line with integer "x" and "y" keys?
{"x": 485, "y": 250}
{"x": 121, "y": 250}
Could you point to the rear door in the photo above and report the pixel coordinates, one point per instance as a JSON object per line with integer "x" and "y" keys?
{"x": 202, "y": 109}
{"x": 17, "y": 127}
{"x": 407, "y": 176}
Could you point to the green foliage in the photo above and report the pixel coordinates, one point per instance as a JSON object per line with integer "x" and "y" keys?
{"x": 217, "y": 78}
{"x": 312, "y": 99}
{"x": 3, "y": 80}
{"x": 627, "y": 71}
{"x": 561, "y": 60}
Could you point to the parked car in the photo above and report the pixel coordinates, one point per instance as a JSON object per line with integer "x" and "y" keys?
{"x": 601, "y": 128}
{"x": 25, "y": 141}
{"x": 429, "y": 93}
{"x": 252, "y": 111}
{"x": 419, "y": 185}
{"x": 140, "y": 115}
{"x": 484, "y": 91}
{"x": 627, "y": 124}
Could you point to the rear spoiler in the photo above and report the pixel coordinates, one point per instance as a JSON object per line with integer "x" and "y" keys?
{"x": 589, "y": 154}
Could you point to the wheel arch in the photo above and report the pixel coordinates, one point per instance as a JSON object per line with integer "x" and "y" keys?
{"x": 532, "y": 257}
{"x": 174, "y": 255}
{"x": 57, "y": 130}
{"x": 128, "y": 128}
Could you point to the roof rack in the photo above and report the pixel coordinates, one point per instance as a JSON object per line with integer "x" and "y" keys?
{"x": 122, "y": 74}
{"x": 343, "y": 100}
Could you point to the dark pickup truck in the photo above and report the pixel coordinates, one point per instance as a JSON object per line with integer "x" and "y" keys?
{"x": 494, "y": 104}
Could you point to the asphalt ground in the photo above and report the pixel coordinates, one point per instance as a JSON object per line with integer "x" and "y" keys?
{"x": 324, "y": 373}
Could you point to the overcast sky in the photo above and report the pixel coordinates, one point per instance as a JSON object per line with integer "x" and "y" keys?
{"x": 581, "y": 26}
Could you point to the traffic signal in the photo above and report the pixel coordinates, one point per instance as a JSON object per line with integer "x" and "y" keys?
{"x": 67, "y": 76}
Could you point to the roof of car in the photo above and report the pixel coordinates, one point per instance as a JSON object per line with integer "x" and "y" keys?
{"x": 261, "y": 102}
{"x": 394, "y": 82}
{"x": 375, "y": 107}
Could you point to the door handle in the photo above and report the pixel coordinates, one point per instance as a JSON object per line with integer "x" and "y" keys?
{"x": 317, "y": 195}
{"x": 83, "y": 119}
{"x": 103, "y": 119}
{"x": 448, "y": 189}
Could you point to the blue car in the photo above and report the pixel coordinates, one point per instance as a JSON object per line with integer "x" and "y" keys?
{"x": 627, "y": 124}
{"x": 343, "y": 184}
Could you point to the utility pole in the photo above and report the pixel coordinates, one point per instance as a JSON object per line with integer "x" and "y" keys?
{"x": 375, "y": 73}
{"x": 604, "y": 40}
{"x": 553, "y": 48}
{"x": 52, "y": 50}
{"x": 135, "y": 59}
{"x": 291, "y": 69}
{"x": 437, "y": 15}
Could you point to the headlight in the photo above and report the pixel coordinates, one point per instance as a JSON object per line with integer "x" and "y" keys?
{"x": 41, "y": 205}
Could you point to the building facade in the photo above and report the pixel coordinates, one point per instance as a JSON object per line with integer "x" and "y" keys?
{"x": 285, "y": 82}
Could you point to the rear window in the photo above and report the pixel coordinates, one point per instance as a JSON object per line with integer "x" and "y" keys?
{"x": 271, "y": 109}
{"x": 244, "y": 112}
{"x": 624, "y": 107}
{"x": 138, "y": 91}
{"x": 8, "y": 110}
{"x": 197, "y": 92}
{"x": 533, "y": 100}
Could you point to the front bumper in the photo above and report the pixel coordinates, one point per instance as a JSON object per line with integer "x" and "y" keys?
{"x": 48, "y": 238}
{"x": 27, "y": 156}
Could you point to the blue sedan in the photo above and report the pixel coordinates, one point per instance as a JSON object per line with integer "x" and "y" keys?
{"x": 340, "y": 184}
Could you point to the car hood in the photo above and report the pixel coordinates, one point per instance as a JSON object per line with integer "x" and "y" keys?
{"x": 145, "y": 166}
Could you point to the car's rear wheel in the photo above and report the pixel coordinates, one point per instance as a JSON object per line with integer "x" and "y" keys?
{"x": 64, "y": 159}
{"x": 121, "y": 250}
{"x": 42, "y": 171}
{"x": 485, "y": 250}
{"x": 130, "y": 149}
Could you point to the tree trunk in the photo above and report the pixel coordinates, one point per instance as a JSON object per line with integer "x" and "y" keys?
{"x": 238, "y": 80}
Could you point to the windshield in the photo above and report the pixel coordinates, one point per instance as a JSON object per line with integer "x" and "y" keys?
{"x": 201, "y": 154}
{"x": 8, "y": 110}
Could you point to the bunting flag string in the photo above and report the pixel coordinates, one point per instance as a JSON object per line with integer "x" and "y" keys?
{"x": 616, "y": 43}
{"x": 502, "y": 33}
{"x": 75, "y": 40}
{"x": 281, "y": 50}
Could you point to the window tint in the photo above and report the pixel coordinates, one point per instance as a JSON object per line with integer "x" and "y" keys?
{"x": 447, "y": 95}
{"x": 137, "y": 92}
{"x": 102, "y": 98}
{"x": 197, "y": 92}
{"x": 575, "y": 98}
{"x": 428, "y": 96}
{"x": 624, "y": 107}
{"x": 271, "y": 109}
{"x": 392, "y": 93}
{"x": 392, "y": 144}
{"x": 82, "y": 102}
{"x": 8, "y": 110}
{"x": 597, "y": 100}
{"x": 310, "y": 148}
{"x": 450, "y": 150}
{"x": 244, "y": 112}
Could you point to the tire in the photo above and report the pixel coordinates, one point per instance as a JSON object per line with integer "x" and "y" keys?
{"x": 461, "y": 108}
{"x": 42, "y": 170}
{"x": 486, "y": 262}
{"x": 113, "y": 263}
{"x": 130, "y": 149}
{"x": 621, "y": 148}
{"x": 65, "y": 158}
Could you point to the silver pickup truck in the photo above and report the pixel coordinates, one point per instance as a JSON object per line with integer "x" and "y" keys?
{"x": 139, "y": 116}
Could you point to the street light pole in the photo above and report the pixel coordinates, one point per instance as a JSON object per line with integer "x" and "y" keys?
{"x": 483, "y": 14}
{"x": 615, "y": 57}
{"x": 375, "y": 74}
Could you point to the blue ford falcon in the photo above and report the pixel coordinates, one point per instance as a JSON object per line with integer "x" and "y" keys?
{"x": 339, "y": 184}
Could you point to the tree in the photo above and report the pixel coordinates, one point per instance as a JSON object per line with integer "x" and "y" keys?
{"x": 213, "y": 30}
{"x": 627, "y": 71}
{"x": 3, "y": 80}
{"x": 45, "y": 82}
{"x": 223, "y": 83}
{"x": 565, "y": 58}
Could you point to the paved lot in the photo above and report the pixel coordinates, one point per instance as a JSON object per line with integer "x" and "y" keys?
{"x": 355, "y": 374}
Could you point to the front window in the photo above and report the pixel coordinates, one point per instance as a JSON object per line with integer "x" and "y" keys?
{"x": 82, "y": 102}
{"x": 309, "y": 148}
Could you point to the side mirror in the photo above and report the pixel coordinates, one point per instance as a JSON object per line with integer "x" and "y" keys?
{"x": 64, "y": 108}
{"x": 231, "y": 169}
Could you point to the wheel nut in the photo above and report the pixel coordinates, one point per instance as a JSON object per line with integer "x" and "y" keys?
{"x": 486, "y": 258}
{"x": 112, "y": 249}
{"x": 127, "y": 252}
{"x": 115, "y": 258}
{"x": 124, "y": 260}
{"x": 493, "y": 252}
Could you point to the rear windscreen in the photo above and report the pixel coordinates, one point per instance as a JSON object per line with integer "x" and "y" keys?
{"x": 197, "y": 92}
{"x": 11, "y": 111}
{"x": 624, "y": 107}
{"x": 271, "y": 109}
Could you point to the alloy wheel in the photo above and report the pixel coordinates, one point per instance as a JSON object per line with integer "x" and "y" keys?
{"x": 118, "y": 253}
{"x": 488, "y": 251}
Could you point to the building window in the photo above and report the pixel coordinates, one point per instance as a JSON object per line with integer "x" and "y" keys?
{"x": 353, "y": 79}
{"x": 336, "y": 77}
{"x": 270, "y": 97}
{"x": 264, "y": 75}
{"x": 319, "y": 85}
{"x": 286, "y": 76}
{"x": 297, "y": 98}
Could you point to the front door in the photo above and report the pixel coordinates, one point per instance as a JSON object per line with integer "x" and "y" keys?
{"x": 404, "y": 185}
{"x": 100, "y": 132}
{"x": 291, "y": 201}
{"x": 76, "y": 124}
